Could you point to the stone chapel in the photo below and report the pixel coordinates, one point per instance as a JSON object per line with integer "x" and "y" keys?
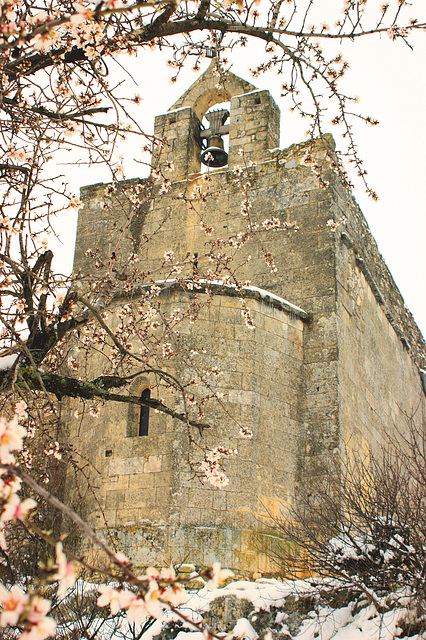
{"x": 334, "y": 357}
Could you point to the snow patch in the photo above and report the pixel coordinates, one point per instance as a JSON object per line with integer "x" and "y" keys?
{"x": 7, "y": 361}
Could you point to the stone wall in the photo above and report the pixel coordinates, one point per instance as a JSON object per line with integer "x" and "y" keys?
{"x": 304, "y": 260}
{"x": 357, "y": 236}
{"x": 109, "y": 225}
{"x": 379, "y": 382}
{"x": 155, "y": 508}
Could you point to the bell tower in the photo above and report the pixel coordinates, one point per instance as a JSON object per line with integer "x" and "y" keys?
{"x": 331, "y": 362}
{"x": 253, "y": 126}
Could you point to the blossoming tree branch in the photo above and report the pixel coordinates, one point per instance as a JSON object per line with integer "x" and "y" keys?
{"x": 29, "y": 611}
{"x": 56, "y": 98}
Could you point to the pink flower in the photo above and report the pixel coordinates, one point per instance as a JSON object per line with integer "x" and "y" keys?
{"x": 217, "y": 575}
{"x": 43, "y": 41}
{"x": 117, "y": 599}
{"x": 120, "y": 557}
{"x": 137, "y": 611}
{"x": 11, "y": 435}
{"x": 20, "y": 410}
{"x": 245, "y": 206}
{"x": 214, "y": 475}
{"x": 14, "y": 508}
{"x": 9, "y": 486}
{"x": 94, "y": 411}
{"x": 59, "y": 298}
{"x": 38, "y": 610}
{"x": 211, "y": 468}
{"x": 113, "y": 4}
{"x": 75, "y": 203}
{"x": 65, "y": 573}
{"x": 271, "y": 223}
{"x": 152, "y": 597}
{"x": 14, "y": 603}
{"x": 167, "y": 350}
{"x": 81, "y": 14}
{"x": 72, "y": 363}
{"x": 43, "y": 628}
{"x": 175, "y": 595}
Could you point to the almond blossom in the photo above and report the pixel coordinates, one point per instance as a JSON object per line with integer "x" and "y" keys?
{"x": 153, "y": 604}
{"x": 217, "y": 575}
{"x": 9, "y": 485}
{"x": 174, "y": 593}
{"x": 11, "y": 439}
{"x": 11, "y": 436}
{"x": 41, "y": 625}
{"x": 13, "y": 604}
{"x": 137, "y": 611}
{"x": 117, "y": 599}
{"x": 15, "y": 508}
{"x": 20, "y": 410}
{"x": 81, "y": 14}
{"x": 94, "y": 411}
{"x": 41, "y": 629}
{"x": 163, "y": 590}
{"x": 23, "y": 610}
{"x": 65, "y": 573}
{"x": 167, "y": 350}
{"x": 43, "y": 41}
{"x": 271, "y": 223}
{"x": 211, "y": 469}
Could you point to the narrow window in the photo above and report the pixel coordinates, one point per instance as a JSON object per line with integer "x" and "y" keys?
{"x": 144, "y": 414}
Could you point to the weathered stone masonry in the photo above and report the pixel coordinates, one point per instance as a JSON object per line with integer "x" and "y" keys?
{"x": 337, "y": 364}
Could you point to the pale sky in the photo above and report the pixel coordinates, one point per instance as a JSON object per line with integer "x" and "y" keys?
{"x": 390, "y": 81}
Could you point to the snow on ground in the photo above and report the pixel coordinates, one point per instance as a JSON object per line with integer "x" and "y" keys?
{"x": 318, "y": 621}
{"x": 323, "y": 622}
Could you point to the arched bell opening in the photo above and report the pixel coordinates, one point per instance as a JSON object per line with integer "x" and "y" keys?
{"x": 211, "y": 99}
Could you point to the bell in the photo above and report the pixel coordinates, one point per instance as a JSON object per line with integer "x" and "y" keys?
{"x": 215, "y": 155}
